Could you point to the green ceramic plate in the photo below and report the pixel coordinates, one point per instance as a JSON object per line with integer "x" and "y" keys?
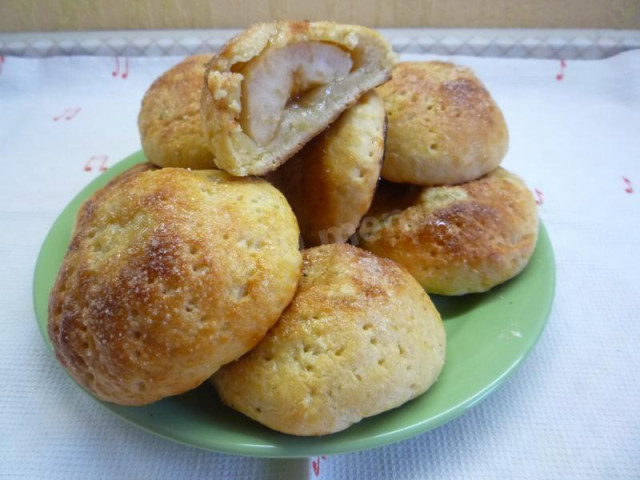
{"x": 488, "y": 336}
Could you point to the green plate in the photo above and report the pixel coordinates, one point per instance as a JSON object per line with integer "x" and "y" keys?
{"x": 488, "y": 336}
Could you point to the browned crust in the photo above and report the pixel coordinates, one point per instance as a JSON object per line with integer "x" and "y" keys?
{"x": 170, "y": 273}
{"x": 444, "y": 126}
{"x": 359, "y": 338}
{"x": 170, "y": 122}
{"x": 455, "y": 240}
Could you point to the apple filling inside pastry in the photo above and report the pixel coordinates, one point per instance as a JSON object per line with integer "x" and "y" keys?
{"x": 293, "y": 78}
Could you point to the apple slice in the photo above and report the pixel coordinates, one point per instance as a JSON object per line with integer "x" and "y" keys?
{"x": 280, "y": 76}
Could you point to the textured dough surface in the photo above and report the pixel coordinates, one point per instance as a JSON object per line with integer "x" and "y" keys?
{"x": 330, "y": 183}
{"x": 455, "y": 239}
{"x": 444, "y": 126}
{"x": 170, "y": 122}
{"x": 360, "y": 337}
{"x": 222, "y": 97}
{"x": 170, "y": 274}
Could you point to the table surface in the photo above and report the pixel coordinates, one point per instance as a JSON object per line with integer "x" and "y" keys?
{"x": 571, "y": 411}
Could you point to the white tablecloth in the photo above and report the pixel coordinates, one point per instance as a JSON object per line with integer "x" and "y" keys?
{"x": 572, "y": 411}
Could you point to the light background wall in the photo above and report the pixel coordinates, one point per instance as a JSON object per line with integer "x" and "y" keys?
{"x": 55, "y": 15}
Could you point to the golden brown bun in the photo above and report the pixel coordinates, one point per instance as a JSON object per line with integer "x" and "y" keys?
{"x": 170, "y": 122}
{"x": 444, "y": 127}
{"x": 308, "y": 111}
{"x": 330, "y": 182}
{"x": 360, "y": 337}
{"x": 170, "y": 274}
{"x": 455, "y": 240}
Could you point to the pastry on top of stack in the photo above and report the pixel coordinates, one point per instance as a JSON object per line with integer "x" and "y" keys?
{"x": 444, "y": 126}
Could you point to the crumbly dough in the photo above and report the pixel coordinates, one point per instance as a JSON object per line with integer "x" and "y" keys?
{"x": 170, "y": 122}
{"x": 455, "y": 239}
{"x": 330, "y": 183}
{"x": 317, "y": 88}
{"x": 444, "y": 126}
{"x": 170, "y": 274}
{"x": 360, "y": 337}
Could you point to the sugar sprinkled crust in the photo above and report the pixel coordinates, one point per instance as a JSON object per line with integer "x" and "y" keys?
{"x": 457, "y": 239}
{"x": 330, "y": 183}
{"x": 222, "y": 97}
{"x": 170, "y": 122}
{"x": 360, "y": 337}
{"x": 170, "y": 274}
{"x": 444, "y": 126}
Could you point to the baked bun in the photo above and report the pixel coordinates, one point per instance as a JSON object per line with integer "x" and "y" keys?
{"x": 455, "y": 240}
{"x": 170, "y": 274}
{"x": 444, "y": 127}
{"x": 275, "y": 86}
{"x": 360, "y": 337}
{"x": 330, "y": 182}
{"x": 170, "y": 122}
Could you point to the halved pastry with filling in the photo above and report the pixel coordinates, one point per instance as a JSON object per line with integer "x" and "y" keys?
{"x": 275, "y": 86}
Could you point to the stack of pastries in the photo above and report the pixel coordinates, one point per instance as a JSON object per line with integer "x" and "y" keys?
{"x": 259, "y": 248}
